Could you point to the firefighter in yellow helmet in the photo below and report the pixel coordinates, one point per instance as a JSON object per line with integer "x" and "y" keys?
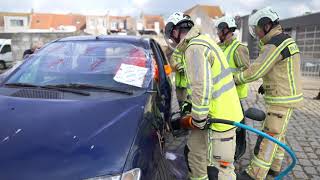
{"x": 213, "y": 94}
{"x": 278, "y": 65}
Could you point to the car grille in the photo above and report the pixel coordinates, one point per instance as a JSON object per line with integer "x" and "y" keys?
{"x": 36, "y": 93}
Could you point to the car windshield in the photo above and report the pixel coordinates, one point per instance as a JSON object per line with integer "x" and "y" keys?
{"x": 100, "y": 63}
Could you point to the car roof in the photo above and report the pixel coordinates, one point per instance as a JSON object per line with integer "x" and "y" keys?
{"x": 129, "y": 39}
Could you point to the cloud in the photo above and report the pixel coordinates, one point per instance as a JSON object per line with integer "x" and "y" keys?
{"x": 299, "y": 9}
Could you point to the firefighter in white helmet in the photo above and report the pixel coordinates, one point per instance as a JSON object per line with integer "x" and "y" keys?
{"x": 212, "y": 94}
{"x": 278, "y": 65}
{"x": 237, "y": 55}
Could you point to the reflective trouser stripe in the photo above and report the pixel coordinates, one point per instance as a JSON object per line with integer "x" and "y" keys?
{"x": 283, "y": 99}
{"x": 269, "y": 60}
{"x": 199, "y": 178}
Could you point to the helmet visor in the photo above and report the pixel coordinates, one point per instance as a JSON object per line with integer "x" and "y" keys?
{"x": 252, "y": 30}
{"x": 171, "y": 44}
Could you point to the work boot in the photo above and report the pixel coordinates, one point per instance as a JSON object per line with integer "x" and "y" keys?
{"x": 317, "y": 97}
{"x": 272, "y": 174}
{"x": 244, "y": 176}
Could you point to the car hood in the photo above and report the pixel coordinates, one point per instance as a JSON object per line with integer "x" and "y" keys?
{"x": 64, "y": 139}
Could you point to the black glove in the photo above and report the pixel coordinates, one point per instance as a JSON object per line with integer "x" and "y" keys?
{"x": 261, "y": 90}
{"x": 201, "y": 124}
{"x": 186, "y": 108}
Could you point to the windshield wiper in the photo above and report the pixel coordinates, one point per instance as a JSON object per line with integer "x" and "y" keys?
{"x": 49, "y": 87}
{"x": 89, "y": 86}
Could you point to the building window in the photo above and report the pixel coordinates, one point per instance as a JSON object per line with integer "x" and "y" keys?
{"x": 16, "y": 22}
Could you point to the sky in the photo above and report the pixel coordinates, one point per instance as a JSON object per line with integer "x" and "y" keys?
{"x": 285, "y": 8}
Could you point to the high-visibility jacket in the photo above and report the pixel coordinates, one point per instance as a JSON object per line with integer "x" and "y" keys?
{"x": 229, "y": 52}
{"x": 279, "y": 66}
{"x": 210, "y": 82}
{"x": 180, "y": 79}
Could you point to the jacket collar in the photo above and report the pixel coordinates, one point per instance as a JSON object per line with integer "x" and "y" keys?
{"x": 274, "y": 31}
{"x": 194, "y": 32}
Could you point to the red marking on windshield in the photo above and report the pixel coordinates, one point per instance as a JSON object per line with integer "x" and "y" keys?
{"x": 54, "y": 63}
{"x": 95, "y": 64}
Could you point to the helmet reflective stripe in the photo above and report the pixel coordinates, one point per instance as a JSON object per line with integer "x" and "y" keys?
{"x": 230, "y": 21}
{"x": 254, "y": 18}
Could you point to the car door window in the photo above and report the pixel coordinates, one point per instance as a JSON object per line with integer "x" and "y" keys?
{"x": 5, "y": 49}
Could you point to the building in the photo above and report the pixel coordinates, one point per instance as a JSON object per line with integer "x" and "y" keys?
{"x": 120, "y": 23}
{"x": 154, "y": 23}
{"x": 57, "y": 22}
{"x": 14, "y": 22}
{"x": 204, "y": 16}
{"x": 96, "y": 25}
{"x": 306, "y": 31}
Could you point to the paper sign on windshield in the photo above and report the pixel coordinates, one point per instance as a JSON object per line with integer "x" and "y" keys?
{"x": 131, "y": 75}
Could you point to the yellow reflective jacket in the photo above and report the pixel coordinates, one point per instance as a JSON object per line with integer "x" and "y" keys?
{"x": 237, "y": 56}
{"x": 210, "y": 84}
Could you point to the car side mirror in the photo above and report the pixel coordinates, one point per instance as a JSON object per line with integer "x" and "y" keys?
{"x": 255, "y": 114}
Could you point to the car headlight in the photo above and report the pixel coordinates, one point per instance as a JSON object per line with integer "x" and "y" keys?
{"x": 133, "y": 174}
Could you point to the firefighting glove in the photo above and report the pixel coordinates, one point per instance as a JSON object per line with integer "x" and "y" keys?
{"x": 186, "y": 108}
{"x": 261, "y": 90}
{"x": 201, "y": 124}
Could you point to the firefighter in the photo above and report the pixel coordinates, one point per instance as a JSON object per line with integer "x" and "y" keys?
{"x": 212, "y": 92}
{"x": 237, "y": 55}
{"x": 278, "y": 65}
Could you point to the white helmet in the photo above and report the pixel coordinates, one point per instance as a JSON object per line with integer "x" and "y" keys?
{"x": 226, "y": 22}
{"x": 175, "y": 19}
{"x": 254, "y": 18}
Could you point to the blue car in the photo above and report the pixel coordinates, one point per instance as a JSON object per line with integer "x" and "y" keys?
{"x": 86, "y": 108}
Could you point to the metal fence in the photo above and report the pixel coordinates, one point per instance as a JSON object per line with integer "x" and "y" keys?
{"x": 310, "y": 68}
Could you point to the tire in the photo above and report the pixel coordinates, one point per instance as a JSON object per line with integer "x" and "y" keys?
{"x": 163, "y": 171}
{"x": 2, "y": 65}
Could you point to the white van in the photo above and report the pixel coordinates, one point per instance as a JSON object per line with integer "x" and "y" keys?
{"x": 5, "y": 53}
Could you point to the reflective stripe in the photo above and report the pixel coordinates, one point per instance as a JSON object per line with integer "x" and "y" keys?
{"x": 199, "y": 178}
{"x": 211, "y": 48}
{"x": 260, "y": 162}
{"x": 232, "y": 49}
{"x": 207, "y": 52}
{"x": 207, "y": 86}
{"x": 271, "y": 58}
{"x": 222, "y": 75}
{"x": 291, "y": 77}
{"x": 283, "y": 99}
{"x": 223, "y": 89}
{"x": 233, "y": 70}
{"x": 199, "y": 110}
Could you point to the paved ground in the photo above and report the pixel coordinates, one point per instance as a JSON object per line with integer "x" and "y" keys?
{"x": 303, "y": 134}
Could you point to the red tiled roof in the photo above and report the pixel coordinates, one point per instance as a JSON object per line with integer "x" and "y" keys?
{"x": 47, "y": 21}
{"x": 149, "y": 21}
{"x": 212, "y": 11}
